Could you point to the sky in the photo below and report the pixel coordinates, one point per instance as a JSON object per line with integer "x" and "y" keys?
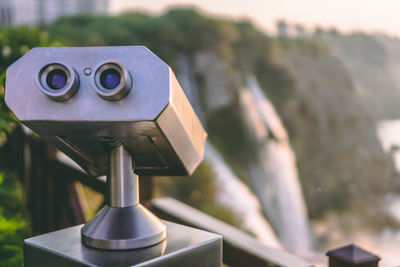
{"x": 346, "y": 15}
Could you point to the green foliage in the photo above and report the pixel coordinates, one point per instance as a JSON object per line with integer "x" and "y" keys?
{"x": 179, "y": 30}
{"x": 14, "y": 42}
{"x": 13, "y": 226}
{"x": 276, "y": 82}
{"x": 252, "y": 48}
{"x": 226, "y": 131}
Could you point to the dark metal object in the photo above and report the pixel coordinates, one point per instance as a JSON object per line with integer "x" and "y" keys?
{"x": 240, "y": 249}
{"x": 351, "y": 256}
{"x": 154, "y": 121}
{"x": 185, "y": 247}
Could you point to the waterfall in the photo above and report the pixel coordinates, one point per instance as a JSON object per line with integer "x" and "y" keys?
{"x": 232, "y": 193}
{"x": 236, "y": 196}
{"x": 273, "y": 174}
{"x": 388, "y": 135}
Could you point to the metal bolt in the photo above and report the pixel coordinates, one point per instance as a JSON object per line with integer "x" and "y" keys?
{"x": 87, "y": 71}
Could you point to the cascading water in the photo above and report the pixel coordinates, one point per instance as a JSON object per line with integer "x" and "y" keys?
{"x": 388, "y": 135}
{"x": 273, "y": 174}
{"x": 236, "y": 196}
{"x": 232, "y": 193}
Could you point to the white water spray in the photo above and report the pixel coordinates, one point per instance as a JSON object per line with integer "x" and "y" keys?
{"x": 274, "y": 173}
{"x": 236, "y": 196}
{"x": 232, "y": 193}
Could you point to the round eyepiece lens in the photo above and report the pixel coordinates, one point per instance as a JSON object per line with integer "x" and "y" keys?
{"x": 110, "y": 79}
{"x": 56, "y": 79}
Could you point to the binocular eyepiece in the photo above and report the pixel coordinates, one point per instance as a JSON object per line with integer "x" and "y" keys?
{"x": 59, "y": 81}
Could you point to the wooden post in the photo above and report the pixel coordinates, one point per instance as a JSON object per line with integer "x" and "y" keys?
{"x": 351, "y": 256}
{"x": 49, "y": 193}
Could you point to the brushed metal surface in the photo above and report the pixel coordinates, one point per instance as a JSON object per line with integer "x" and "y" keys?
{"x": 123, "y": 223}
{"x": 184, "y": 246}
{"x": 123, "y": 228}
{"x": 155, "y": 121}
{"x": 122, "y": 183}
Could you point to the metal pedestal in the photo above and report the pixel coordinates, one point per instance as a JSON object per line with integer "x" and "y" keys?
{"x": 184, "y": 246}
{"x": 123, "y": 223}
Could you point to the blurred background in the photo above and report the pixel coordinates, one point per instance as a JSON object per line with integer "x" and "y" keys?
{"x": 300, "y": 100}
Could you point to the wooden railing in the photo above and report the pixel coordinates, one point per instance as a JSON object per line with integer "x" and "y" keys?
{"x": 54, "y": 203}
{"x": 239, "y": 248}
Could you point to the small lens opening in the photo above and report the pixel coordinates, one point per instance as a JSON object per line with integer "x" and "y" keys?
{"x": 110, "y": 79}
{"x": 56, "y": 79}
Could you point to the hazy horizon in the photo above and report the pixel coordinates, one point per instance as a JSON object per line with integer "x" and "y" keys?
{"x": 346, "y": 16}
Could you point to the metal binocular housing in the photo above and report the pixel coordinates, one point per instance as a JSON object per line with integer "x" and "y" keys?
{"x": 114, "y": 111}
{"x": 63, "y": 95}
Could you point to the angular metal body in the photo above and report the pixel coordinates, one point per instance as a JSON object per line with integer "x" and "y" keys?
{"x": 185, "y": 246}
{"x": 155, "y": 121}
{"x": 115, "y": 111}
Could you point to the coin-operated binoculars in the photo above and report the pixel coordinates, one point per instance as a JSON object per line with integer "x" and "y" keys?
{"x": 115, "y": 111}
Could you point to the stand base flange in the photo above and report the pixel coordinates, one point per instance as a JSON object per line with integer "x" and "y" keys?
{"x": 184, "y": 246}
{"x": 123, "y": 228}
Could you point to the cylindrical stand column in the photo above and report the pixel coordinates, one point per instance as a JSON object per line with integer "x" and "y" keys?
{"x": 122, "y": 183}
{"x": 123, "y": 223}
